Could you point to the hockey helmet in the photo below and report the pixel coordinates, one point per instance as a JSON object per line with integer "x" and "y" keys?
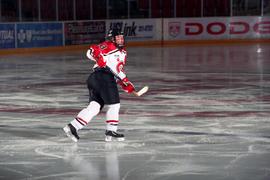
{"x": 117, "y": 37}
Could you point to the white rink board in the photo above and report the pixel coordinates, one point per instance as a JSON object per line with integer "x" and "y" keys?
{"x": 138, "y": 29}
{"x": 216, "y": 28}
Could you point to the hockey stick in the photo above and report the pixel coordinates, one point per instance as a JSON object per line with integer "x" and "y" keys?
{"x": 141, "y": 92}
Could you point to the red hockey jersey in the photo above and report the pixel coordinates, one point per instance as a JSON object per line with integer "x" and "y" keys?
{"x": 107, "y": 54}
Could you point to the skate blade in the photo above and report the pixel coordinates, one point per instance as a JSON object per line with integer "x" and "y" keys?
{"x": 69, "y": 134}
{"x": 110, "y": 138}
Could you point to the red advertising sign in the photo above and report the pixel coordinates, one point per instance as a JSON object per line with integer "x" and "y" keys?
{"x": 217, "y": 28}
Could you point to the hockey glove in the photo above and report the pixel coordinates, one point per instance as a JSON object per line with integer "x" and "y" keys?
{"x": 126, "y": 85}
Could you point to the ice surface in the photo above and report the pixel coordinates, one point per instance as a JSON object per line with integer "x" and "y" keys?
{"x": 206, "y": 116}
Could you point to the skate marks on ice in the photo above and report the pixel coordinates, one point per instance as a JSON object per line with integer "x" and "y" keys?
{"x": 158, "y": 156}
{"x": 200, "y": 119}
{"x": 155, "y": 149}
{"x": 32, "y": 154}
{"x": 203, "y": 156}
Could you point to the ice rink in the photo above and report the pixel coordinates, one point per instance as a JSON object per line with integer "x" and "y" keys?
{"x": 205, "y": 117}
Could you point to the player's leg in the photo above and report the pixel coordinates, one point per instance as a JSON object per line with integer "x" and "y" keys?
{"x": 112, "y": 120}
{"x": 81, "y": 120}
{"x": 86, "y": 114}
{"x": 110, "y": 96}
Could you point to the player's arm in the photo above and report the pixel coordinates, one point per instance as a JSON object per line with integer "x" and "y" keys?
{"x": 90, "y": 55}
{"x": 122, "y": 79}
{"x": 124, "y": 82}
{"x": 94, "y": 53}
{"x": 90, "y": 52}
{"x": 126, "y": 85}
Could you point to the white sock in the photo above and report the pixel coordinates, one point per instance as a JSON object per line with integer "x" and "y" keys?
{"x": 112, "y": 117}
{"x": 86, "y": 115}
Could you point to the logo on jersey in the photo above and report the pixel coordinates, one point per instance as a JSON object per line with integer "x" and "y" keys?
{"x": 102, "y": 46}
{"x": 119, "y": 67}
{"x": 174, "y": 29}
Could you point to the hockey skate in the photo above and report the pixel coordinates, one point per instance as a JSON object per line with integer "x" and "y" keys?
{"x": 71, "y": 132}
{"x": 113, "y": 136}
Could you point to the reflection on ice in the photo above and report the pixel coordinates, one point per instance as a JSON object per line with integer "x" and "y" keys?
{"x": 206, "y": 116}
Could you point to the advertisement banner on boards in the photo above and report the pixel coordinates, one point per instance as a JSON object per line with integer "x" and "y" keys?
{"x": 136, "y": 29}
{"x": 39, "y": 35}
{"x": 217, "y": 28}
{"x": 85, "y": 32}
{"x": 7, "y": 36}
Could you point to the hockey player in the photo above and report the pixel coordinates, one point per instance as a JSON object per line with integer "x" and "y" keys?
{"x": 110, "y": 57}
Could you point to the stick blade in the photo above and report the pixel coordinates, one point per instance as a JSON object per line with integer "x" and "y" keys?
{"x": 143, "y": 90}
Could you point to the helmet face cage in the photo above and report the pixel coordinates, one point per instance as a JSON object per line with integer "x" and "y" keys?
{"x": 117, "y": 37}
